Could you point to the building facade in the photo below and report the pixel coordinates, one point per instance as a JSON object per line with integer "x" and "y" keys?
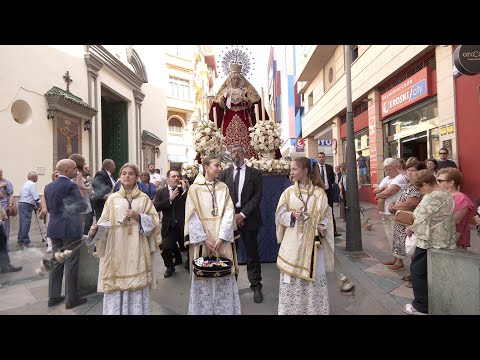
{"x": 284, "y": 101}
{"x": 191, "y": 74}
{"x": 102, "y": 101}
{"x": 403, "y": 103}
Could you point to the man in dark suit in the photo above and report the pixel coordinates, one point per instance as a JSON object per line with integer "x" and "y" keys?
{"x": 328, "y": 177}
{"x": 65, "y": 205}
{"x": 245, "y": 185}
{"x": 102, "y": 184}
{"x": 170, "y": 200}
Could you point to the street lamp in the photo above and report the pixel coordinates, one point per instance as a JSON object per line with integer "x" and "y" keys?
{"x": 354, "y": 231}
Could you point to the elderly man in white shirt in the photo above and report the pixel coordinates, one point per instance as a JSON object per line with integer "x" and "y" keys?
{"x": 155, "y": 179}
{"x": 29, "y": 200}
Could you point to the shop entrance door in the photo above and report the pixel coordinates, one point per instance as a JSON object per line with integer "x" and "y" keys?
{"x": 415, "y": 145}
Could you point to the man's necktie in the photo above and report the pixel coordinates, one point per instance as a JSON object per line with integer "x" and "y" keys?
{"x": 236, "y": 184}
{"x": 173, "y": 221}
{"x": 322, "y": 172}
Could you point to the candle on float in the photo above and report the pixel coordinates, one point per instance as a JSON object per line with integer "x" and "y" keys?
{"x": 256, "y": 112}
{"x": 214, "y": 114}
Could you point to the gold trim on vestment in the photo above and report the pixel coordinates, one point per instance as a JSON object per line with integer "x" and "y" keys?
{"x": 292, "y": 265}
{"x": 300, "y": 262}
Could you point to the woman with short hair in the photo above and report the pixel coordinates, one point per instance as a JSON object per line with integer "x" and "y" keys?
{"x": 408, "y": 200}
{"x": 450, "y": 179}
{"x": 434, "y": 227}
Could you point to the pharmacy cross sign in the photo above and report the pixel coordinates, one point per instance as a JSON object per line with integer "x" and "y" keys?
{"x": 68, "y": 80}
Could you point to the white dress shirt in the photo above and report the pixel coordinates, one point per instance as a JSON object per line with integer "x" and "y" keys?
{"x": 111, "y": 179}
{"x": 155, "y": 177}
{"x": 325, "y": 179}
{"x": 240, "y": 182}
{"x": 28, "y": 193}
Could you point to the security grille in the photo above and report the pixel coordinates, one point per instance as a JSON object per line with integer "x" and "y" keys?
{"x": 430, "y": 61}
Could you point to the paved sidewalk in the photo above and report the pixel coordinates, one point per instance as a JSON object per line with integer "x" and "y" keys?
{"x": 378, "y": 290}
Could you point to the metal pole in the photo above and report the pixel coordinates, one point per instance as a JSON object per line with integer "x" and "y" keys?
{"x": 354, "y": 230}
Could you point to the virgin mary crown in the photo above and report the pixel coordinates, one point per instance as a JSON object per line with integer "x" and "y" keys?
{"x": 236, "y": 68}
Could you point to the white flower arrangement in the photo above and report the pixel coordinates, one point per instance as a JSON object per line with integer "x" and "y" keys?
{"x": 265, "y": 136}
{"x": 191, "y": 170}
{"x": 279, "y": 166}
{"x": 208, "y": 138}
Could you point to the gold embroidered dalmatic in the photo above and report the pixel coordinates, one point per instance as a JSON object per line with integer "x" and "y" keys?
{"x": 299, "y": 247}
{"x": 127, "y": 261}
{"x": 199, "y": 202}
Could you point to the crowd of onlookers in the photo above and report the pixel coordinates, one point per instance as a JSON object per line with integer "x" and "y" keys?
{"x": 30, "y": 204}
{"x": 422, "y": 201}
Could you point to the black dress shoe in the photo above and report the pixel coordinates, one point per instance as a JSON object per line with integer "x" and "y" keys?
{"x": 10, "y": 268}
{"x": 337, "y": 234}
{"x": 55, "y": 301}
{"x": 257, "y": 295}
{"x": 76, "y": 303}
{"x": 177, "y": 261}
{"x": 169, "y": 272}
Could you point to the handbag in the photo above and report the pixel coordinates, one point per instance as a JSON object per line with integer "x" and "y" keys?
{"x": 210, "y": 266}
{"x": 410, "y": 244}
{"x": 404, "y": 217}
{"x": 12, "y": 210}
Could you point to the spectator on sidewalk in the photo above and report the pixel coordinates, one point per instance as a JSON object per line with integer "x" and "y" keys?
{"x": 44, "y": 215}
{"x": 434, "y": 227}
{"x": 336, "y": 186}
{"x": 363, "y": 169}
{"x": 390, "y": 191}
{"x": 409, "y": 199}
{"x": 146, "y": 186}
{"x": 155, "y": 178}
{"x": 450, "y": 179}
{"x": 6, "y": 202}
{"x": 87, "y": 195}
{"x": 401, "y": 166}
{"x": 85, "y": 190}
{"x": 343, "y": 190}
{"x": 444, "y": 162}
{"x": 5, "y": 266}
{"x": 163, "y": 179}
{"x": 476, "y": 219}
{"x": 65, "y": 205}
{"x": 432, "y": 165}
{"x": 103, "y": 184}
{"x": 328, "y": 178}
{"x": 28, "y": 202}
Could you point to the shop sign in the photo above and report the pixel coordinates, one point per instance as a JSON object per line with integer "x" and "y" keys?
{"x": 410, "y": 91}
{"x": 300, "y": 145}
{"x": 467, "y": 59}
{"x": 328, "y": 142}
